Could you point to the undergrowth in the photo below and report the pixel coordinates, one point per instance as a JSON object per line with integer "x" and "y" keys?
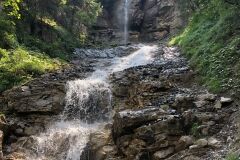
{"x": 20, "y": 65}
{"x": 232, "y": 156}
{"x": 212, "y": 43}
{"x": 20, "y": 61}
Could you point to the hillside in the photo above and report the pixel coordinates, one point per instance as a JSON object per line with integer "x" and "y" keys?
{"x": 211, "y": 41}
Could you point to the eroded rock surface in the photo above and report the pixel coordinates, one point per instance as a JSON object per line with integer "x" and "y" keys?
{"x": 161, "y": 113}
{"x": 149, "y": 20}
{"x": 31, "y": 108}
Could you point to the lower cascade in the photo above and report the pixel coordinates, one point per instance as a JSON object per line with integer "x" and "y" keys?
{"x": 87, "y": 109}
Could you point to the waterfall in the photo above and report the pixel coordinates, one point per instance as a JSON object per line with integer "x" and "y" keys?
{"x": 126, "y": 8}
{"x": 88, "y": 107}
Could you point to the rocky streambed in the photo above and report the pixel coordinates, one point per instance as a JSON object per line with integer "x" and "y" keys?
{"x": 158, "y": 111}
{"x": 161, "y": 113}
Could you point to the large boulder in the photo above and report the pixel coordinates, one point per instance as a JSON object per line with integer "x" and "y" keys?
{"x": 42, "y": 98}
{"x": 148, "y": 130}
{"x": 134, "y": 119}
{"x": 163, "y": 153}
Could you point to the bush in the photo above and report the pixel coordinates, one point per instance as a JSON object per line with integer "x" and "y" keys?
{"x": 232, "y": 156}
{"x": 212, "y": 43}
{"x": 20, "y": 65}
{"x": 7, "y": 33}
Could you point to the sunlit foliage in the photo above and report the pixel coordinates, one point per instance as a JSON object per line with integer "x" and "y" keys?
{"x": 33, "y": 32}
{"x": 212, "y": 42}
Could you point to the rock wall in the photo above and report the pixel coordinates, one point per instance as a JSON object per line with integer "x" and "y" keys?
{"x": 149, "y": 20}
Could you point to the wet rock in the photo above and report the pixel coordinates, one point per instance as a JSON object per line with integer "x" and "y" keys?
{"x": 207, "y": 97}
{"x": 213, "y": 142}
{"x": 32, "y": 130}
{"x": 184, "y": 102}
{"x": 100, "y": 138}
{"x": 100, "y": 145}
{"x": 204, "y": 116}
{"x": 161, "y": 141}
{"x": 123, "y": 142}
{"x": 134, "y": 147}
{"x": 45, "y": 98}
{"x": 170, "y": 124}
{"x": 145, "y": 133}
{"x": 163, "y": 153}
{"x": 188, "y": 118}
{"x": 21, "y": 142}
{"x": 193, "y": 147}
{"x": 104, "y": 152}
{"x": 184, "y": 142}
{"x": 145, "y": 92}
{"x": 200, "y": 104}
{"x": 104, "y": 53}
{"x": 204, "y": 129}
{"x": 224, "y": 100}
{"x": 1, "y": 143}
{"x": 218, "y": 105}
{"x": 12, "y": 139}
{"x": 3, "y": 124}
{"x": 191, "y": 157}
{"x": 199, "y": 144}
{"x": 15, "y": 156}
{"x": 135, "y": 119}
{"x": 19, "y": 132}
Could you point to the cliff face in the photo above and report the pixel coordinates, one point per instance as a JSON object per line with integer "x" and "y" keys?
{"x": 149, "y": 20}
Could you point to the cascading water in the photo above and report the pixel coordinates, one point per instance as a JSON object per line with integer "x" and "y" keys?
{"x": 88, "y": 105}
{"x": 126, "y": 8}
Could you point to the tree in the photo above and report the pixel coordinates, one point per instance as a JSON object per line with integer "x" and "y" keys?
{"x": 12, "y": 8}
{"x": 233, "y": 2}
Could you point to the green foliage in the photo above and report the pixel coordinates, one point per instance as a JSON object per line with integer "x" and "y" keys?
{"x": 12, "y": 8}
{"x": 89, "y": 16}
{"x": 194, "y": 130}
{"x": 212, "y": 42}
{"x": 31, "y": 28}
{"x": 232, "y": 156}
{"x": 7, "y": 33}
{"x": 56, "y": 27}
{"x": 20, "y": 65}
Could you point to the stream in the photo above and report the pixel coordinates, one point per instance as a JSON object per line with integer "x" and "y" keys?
{"x": 129, "y": 102}
{"x": 88, "y": 108}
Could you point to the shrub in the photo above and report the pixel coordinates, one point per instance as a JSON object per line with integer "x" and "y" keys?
{"x": 232, "y": 156}
{"x": 7, "y": 33}
{"x": 212, "y": 43}
{"x": 20, "y": 65}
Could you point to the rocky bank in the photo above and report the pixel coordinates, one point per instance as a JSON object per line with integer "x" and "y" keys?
{"x": 160, "y": 112}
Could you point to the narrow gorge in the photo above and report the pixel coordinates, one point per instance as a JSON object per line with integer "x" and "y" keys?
{"x": 138, "y": 99}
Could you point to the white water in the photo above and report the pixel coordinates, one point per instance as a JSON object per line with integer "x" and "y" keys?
{"x": 87, "y": 100}
{"x": 126, "y": 8}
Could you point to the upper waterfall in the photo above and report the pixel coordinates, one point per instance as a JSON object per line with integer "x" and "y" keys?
{"x": 126, "y": 19}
